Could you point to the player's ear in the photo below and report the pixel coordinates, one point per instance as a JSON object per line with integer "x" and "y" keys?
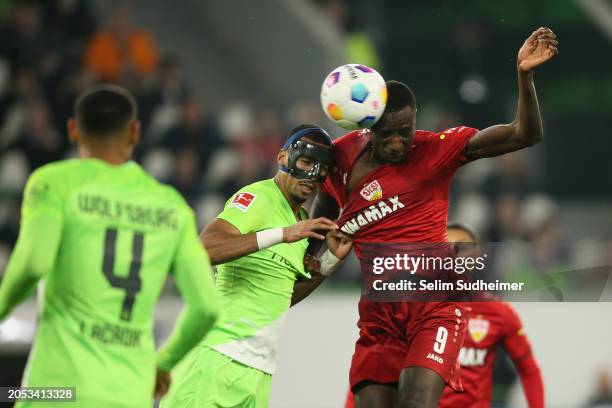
{"x": 283, "y": 158}
{"x": 135, "y": 128}
{"x": 73, "y": 131}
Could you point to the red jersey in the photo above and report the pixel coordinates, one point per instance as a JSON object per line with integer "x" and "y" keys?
{"x": 405, "y": 202}
{"x": 491, "y": 324}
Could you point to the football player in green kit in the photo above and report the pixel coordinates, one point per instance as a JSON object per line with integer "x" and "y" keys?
{"x": 259, "y": 242}
{"x": 102, "y": 235}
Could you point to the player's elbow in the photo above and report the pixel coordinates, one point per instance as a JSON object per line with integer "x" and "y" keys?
{"x": 527, "y": 136}
{"x": 533, "y": 139}
{"x": 527, "y": 366}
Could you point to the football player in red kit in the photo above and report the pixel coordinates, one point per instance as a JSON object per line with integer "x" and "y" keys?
{"x": 489, "y": 325}
{"x": 391, "y": 183}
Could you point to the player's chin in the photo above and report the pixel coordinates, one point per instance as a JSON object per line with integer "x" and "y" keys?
{"x": 395, "y": 158}
{"x": 298, "y": 198}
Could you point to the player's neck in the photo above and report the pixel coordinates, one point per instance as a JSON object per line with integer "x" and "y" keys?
{"x": 115, "y": 157}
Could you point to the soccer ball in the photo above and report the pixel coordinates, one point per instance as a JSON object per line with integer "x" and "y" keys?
{"x": 354, "y": 96}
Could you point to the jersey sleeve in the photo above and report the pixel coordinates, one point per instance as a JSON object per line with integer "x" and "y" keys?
{"x": 193, "y": 275}
{"x": 246, "y": 210}
{"x": 517, "y": 345}
{"x": 447, "y": 149}
{"x": 39, "y": 238}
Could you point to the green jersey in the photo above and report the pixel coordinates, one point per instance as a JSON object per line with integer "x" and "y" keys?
{"x": 256, "y": 289}
{"x": 104, "y": 238}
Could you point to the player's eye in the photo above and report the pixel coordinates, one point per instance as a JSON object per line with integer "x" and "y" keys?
{"x": 307, "y": 163}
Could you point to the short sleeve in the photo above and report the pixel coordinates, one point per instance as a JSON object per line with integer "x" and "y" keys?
{"x": 448, "y": 147}
{"x": 42, "y": 196}
{"x": 245, "y": 210}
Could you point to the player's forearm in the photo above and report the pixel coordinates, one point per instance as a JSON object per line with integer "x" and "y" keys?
{"x": 528, "y": 122}
{"x": 534, "y": 388}
{"x": 16, "y": 287}
{"x": 191, "y": 327}
{"x": 223, "y": 247}
{"x": 302, "y": 289}
{"x": 531, "y": 378}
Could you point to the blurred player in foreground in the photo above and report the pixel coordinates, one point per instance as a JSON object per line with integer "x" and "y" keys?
{"x": 392, "y": 184}
{"x": 103, "y": 235}
{"x": 490, "y": 324}
{"x": 259, "y": 241}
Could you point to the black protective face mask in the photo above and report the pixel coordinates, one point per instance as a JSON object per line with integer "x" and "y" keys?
{"x": 321, "y": 155}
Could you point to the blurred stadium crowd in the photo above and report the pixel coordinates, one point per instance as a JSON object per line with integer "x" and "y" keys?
{"x": 59, "y": 47}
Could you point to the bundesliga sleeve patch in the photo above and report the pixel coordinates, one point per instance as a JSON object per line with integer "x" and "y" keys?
{"x": 243, "y": 201}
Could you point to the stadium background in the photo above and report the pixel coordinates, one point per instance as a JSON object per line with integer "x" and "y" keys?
{"x": 220, "y": 83}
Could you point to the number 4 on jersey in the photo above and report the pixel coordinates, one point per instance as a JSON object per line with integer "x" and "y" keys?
{"x": 131, "y": 284}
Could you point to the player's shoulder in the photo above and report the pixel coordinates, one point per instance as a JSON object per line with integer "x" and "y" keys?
{"x": 254, "y": 194}
{"x": 506, "y": 310}
{"x": 350, "y": 137}
{"x": 429, "y": 136}
{"x": 348, "y": 146}
{"x": 155, "y": 190}
{"x": 56, "y": 173}
{"x": 258, "y": 187}
{"x": 352, "y": 140}
{"x": 55, "y": 168}
{"x": 423, "y": 136}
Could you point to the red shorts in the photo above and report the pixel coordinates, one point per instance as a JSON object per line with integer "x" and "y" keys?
{"x": 396, "y": 335}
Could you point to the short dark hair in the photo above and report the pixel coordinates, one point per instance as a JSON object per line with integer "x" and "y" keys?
{"x": 399, "y": 96}
{"x": 464, "y": 227}
{"x": 315, "y": 136}
{"x": 104, "y": 109}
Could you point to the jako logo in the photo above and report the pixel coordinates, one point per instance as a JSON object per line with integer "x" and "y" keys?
{"x": 435, "y": 358}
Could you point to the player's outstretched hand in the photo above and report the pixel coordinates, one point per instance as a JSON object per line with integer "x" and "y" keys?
{"x": 540, "y": 47}
{"x": 339, "y": 243}
{"x": 162, "y": 383}
{"x": 308, "y": 229}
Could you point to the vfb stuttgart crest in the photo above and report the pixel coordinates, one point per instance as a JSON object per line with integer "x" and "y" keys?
{"x": 478, "y": 328}
{"x": 372, "y": 191}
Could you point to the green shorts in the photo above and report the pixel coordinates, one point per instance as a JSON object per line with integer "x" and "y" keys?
{"x": 206, "y": 378}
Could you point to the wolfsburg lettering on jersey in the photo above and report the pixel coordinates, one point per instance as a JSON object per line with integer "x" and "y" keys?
{"x": 374, "y": 212}
{"x": 128, "y": 212}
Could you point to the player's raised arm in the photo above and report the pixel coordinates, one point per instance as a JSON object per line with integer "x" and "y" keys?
{"x": 193, "y": 276}
{"x": 526, "y": 129}
{"x": 224, "y": 241}
{"x": 39, "y": 237}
